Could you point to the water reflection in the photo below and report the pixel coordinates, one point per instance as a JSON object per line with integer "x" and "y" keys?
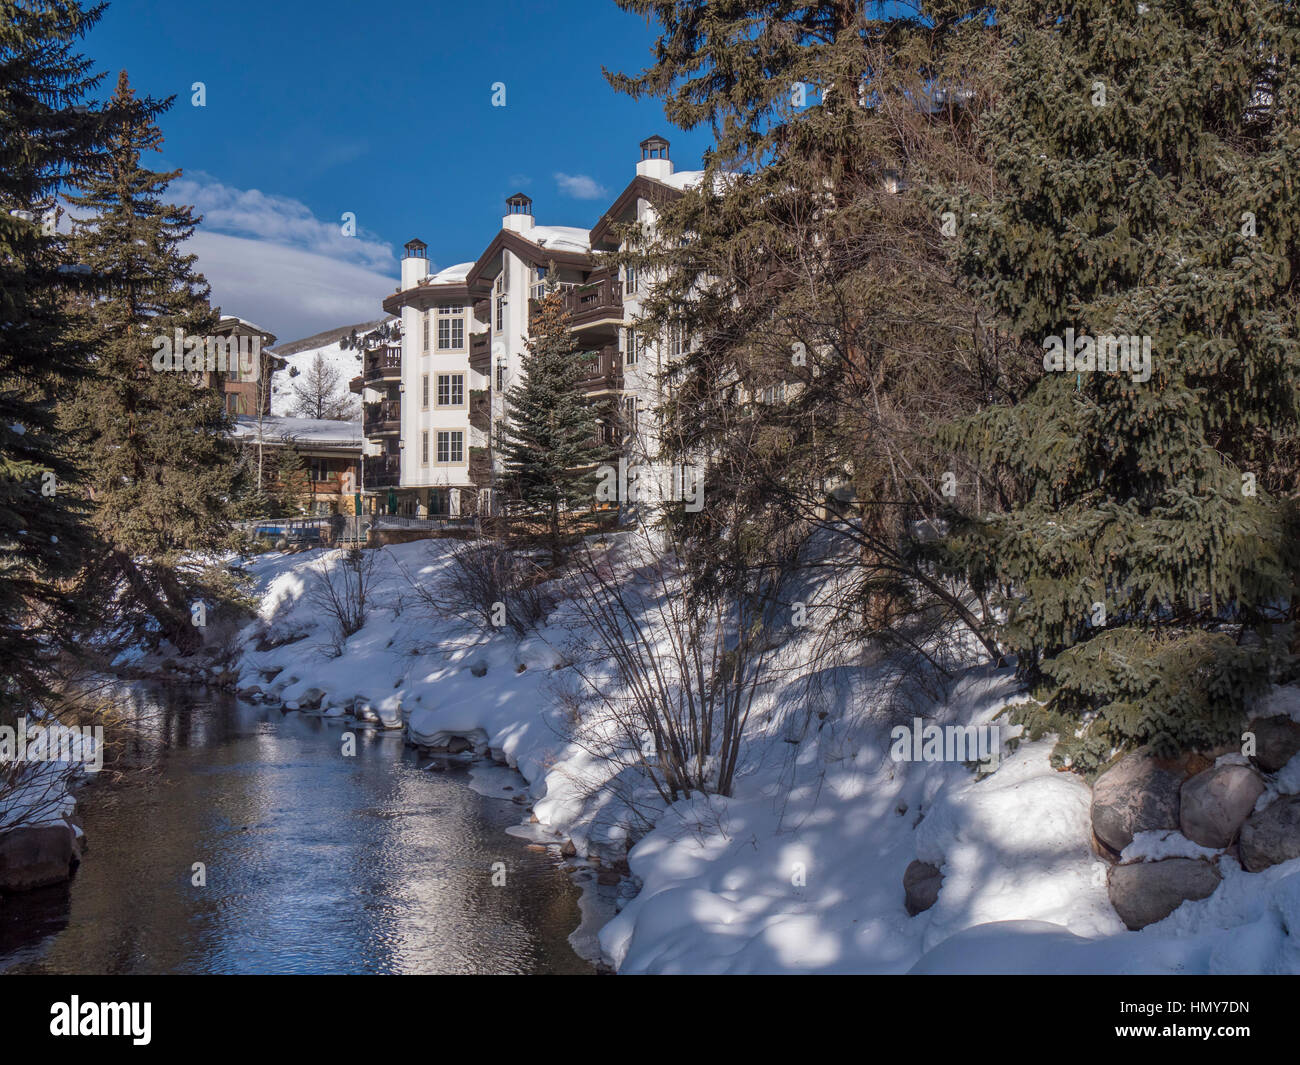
{"x": 314, "y": 862}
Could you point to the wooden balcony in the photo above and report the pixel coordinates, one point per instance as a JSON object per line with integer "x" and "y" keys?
{"x": 382, "y": 471}
{"x": 603, "y": 371}
{"x": 480, "y": 348}
{"x": 480, "y": 409}
{"x": 384, "y": 364}
{"x": 382, "y": 418}
{"x": 598, "y": 300}
{"x": 357, "y": 384}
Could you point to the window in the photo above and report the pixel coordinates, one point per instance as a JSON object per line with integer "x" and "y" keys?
{"x": 451, "y": 328}
{"x": 451, "y": 446}
{"x": 501, "y": 377}
{"x": 424, "y": 323}
{"x": 451, "y": 390}
{"x": 629, "y": 346}
{"x": 320, "y": 470}
{"x": 629, "y": 414}
{"x": 630, "y": 283}
{"x": 424, "y": 448}
{"x": 676, "y": 343}
{"x": 499, "y": 298}
{"x": 424, "y": 402}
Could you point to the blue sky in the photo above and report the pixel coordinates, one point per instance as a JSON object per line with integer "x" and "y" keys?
{"x": 384, "y": 110}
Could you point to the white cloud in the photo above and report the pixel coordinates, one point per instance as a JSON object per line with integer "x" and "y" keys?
{"x": 279, "y": 220}
{"x": 580, "y": 186}
{"x": 270, "y": 260}
{"x": 291, "y": 291}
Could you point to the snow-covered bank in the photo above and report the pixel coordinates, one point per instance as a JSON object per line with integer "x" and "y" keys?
{"x": 802, "y": 870}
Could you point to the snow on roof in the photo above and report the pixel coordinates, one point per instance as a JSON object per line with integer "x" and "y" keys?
{"x": 560, "y": 238}
{"x": 245, "y": 322}
{"x": 320, "y": 432}
{"x": 452, "y": 273}
{"x": 682, "y": 179}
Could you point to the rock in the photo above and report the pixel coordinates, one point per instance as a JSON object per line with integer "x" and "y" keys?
{"x": 1216, "y": 803}
{"x": 311, "y": 699}
{"x": 1138, "y": 793}
{"x": 1271, "y": 835}
{"x": 921, "y": 884}
{"x": 457, "y": 744}
{"x": 36, "y": 856}
{"x": 1277, "y": 741}
{"x": 1146, "y": 892}
{"x": 608, "y": 877}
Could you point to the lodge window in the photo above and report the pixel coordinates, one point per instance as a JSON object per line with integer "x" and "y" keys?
{"x": 629, "y": 346}
{"x": 451, "y": 390}
{"x": 499, "y": 298}
{"x": 424, "y": 448}
{"x": 424, "y": 402}
{"x": 424, "y": 324}
{"x": 451, "y": 446}
{"x": 630, "y": 282}
{"x": 451, "y": 328}
{"x": 629, "y": 414}
{"x": 501, "y": 377}
{"x": 320, "y": 470}
{"x": 676, "y": 344}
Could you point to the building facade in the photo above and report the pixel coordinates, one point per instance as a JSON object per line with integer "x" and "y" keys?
{"x": 435, "y": 401}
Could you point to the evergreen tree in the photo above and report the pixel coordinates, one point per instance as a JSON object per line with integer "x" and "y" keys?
{"x": 826, "y": 334}
{"x": 163, "y": 468}
{"x": 47, "y": 136}
{"x": 550, "y": 440}
{"x": 1147, "y": 159}
{"x": 290, "y": 487}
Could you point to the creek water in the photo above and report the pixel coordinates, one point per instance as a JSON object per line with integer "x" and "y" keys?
{"x": 314, "y": 862}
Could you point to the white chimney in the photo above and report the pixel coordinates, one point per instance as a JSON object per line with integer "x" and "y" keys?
{"x": 415, "y": 263}
{"x": 519, "y": 214}
{"x": 654, "y": 159}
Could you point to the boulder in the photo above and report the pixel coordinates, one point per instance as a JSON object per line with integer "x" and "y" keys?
{"x": 921, "y": 884}
{"x": 36, "y": 856}
{"x": 1277, "y": 741}
{"x": 1146, "y": 892}
{"x": 1215, "y": 804}
{"x": 1271, "y": 835}
{"x": 311, "y": 699}
{"x": 458, "y": 744}
{"x": 1139, "y": 793}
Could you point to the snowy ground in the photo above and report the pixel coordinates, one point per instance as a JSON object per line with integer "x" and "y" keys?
{"x": 802, "y": 870}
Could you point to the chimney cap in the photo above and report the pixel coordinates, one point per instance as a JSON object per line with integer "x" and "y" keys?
{"x": 415, "y": 248}
{"x": 519, "y": 204}
{"x": 654, "y": 147}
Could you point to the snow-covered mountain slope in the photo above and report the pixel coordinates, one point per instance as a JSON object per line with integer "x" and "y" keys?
{"x": 299, "y": 354}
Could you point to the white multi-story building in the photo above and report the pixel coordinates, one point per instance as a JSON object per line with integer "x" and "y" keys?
{"x": 436, "y": 401}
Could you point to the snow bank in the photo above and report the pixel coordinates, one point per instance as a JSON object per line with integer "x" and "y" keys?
{"x": 802, "y": 869}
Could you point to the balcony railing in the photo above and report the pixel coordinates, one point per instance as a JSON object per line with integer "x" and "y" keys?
{"x": 382, "y": 417}
{"x": 604, "y": 370}
{"x": 384, "y": 364}
{"x": 382, "y": 471}
{"x": 600, "y": 297}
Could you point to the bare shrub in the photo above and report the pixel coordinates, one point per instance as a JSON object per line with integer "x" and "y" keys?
{"x": 341, "y": 586}
{"x": 489, "y": 586}
{"x": 687, "y": 663}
